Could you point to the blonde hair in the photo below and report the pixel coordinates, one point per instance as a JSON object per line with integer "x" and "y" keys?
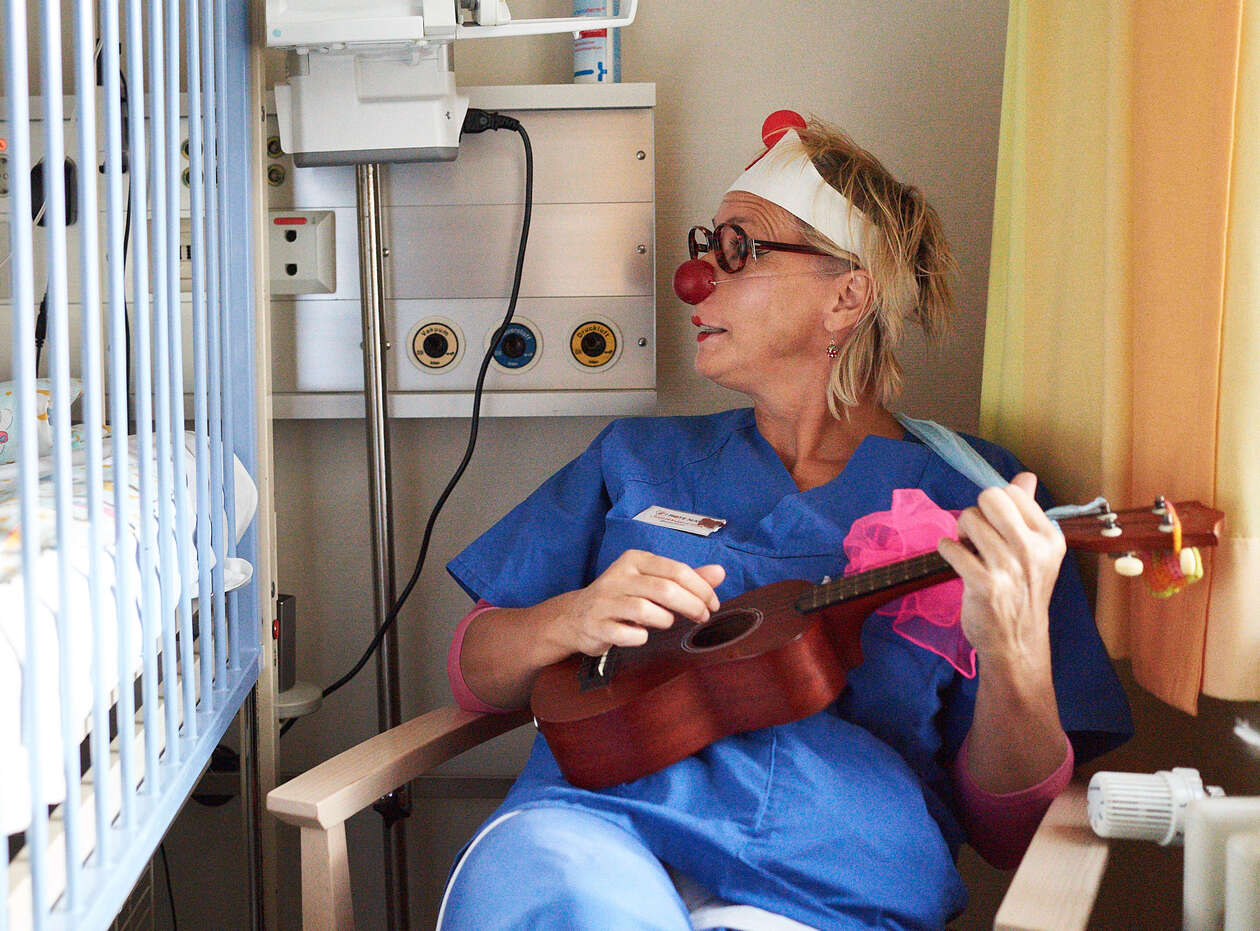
{"x": 906, "y": 255}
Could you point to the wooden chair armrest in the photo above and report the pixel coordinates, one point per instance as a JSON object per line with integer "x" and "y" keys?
{"x": 1057, "y": 881}
{"x": 321, "y": 799}
{"x": 334, "y": 790}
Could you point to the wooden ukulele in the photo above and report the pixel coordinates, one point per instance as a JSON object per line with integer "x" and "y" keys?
{"x": 770, "y": 656}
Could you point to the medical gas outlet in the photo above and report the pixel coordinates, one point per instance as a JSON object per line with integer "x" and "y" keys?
{"x": 594, "y": 344}
{"x": 518, "y": 348}
{"x": 435, "y": 345}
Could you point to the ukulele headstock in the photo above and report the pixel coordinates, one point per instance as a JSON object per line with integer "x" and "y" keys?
{"x": 1155, "y": 529}
{"x": 1144, "y": 529}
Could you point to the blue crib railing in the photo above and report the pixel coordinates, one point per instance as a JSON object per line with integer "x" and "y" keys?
{"x": 131, "y": 657}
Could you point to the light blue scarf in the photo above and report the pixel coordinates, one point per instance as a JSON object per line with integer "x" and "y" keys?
{"x": 963, "y": 457}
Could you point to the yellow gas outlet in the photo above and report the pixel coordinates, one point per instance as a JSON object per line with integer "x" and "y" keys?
{"x": 593, "y": 344}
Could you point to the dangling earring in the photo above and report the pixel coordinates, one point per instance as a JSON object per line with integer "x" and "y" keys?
{"x": 832, "y": 349}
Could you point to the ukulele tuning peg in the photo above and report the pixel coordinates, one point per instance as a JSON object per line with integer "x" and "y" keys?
{"x": 1128, "y": 565}
{"x": 1189, "y": 565}
{"x": 1161, "y": 505}
{"x": 1110, "y": 527}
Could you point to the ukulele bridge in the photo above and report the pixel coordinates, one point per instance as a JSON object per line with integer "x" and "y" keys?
{"x": 597, "y": 671}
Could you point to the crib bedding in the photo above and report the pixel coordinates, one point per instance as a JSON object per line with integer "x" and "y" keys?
{"x": 14, "y": 786}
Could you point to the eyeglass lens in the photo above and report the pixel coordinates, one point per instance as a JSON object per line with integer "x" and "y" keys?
{"x": 729, "y": 242}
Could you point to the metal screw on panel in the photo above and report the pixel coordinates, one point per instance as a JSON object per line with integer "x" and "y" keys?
{"x": 275, "y": 175}
{"x": 385, "y": 252}
{"x": 642, "y": 340}
{"x": 641, "y": 249}
{"x": 640, "y": 155}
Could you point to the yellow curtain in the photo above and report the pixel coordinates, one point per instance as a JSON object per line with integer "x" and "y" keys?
{"x": 1123, "y": 333}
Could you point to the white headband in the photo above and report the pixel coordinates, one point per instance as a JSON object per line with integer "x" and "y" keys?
{"x": 785, "y": 176}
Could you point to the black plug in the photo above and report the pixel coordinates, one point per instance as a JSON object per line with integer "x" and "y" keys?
{"x": 39, "y": 193}
{"x": 478, "y": 121}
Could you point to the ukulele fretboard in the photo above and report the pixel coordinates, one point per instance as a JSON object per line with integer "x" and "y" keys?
{"x": 870, "y": 581}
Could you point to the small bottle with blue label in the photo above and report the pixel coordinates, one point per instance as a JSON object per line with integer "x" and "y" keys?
{"x": 596, "y": 52}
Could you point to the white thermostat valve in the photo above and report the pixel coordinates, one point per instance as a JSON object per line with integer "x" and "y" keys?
{"x": 1145, "y": 806}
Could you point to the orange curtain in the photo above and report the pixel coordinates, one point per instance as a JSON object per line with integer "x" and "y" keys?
{"x": 1119, "y": 348}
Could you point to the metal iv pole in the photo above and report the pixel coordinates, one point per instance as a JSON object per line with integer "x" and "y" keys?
{"x": 395, "y": 807}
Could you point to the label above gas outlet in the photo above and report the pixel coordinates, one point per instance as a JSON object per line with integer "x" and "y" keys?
{"x": 434, "y": 345}
{"x": 593, "y": 344}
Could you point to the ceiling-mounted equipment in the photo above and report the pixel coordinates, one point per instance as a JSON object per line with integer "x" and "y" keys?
{"x": 373, "y": 81}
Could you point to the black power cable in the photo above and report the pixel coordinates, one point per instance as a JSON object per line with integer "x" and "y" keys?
{"x": 476, "y": 121}
{"x": 41, "y": 318}
{"x": 170, "y": 890}
{"x": 124, "y": 164}
{"x": 41, "y": 328}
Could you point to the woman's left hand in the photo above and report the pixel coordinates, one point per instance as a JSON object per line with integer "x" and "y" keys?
{"x": 1009, "y": 578}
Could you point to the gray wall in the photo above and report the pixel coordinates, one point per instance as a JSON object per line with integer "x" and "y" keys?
{"x": 919, "y": 83}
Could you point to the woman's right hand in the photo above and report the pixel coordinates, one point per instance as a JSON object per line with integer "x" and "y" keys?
{"x": 639, "y": 591}
{"x": 504, "y": 649}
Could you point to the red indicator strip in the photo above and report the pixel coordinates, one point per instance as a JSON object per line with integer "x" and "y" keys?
{"x": 289, "y": 221}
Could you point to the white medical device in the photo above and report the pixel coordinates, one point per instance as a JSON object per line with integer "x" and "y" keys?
{"x": 372, "y": 80}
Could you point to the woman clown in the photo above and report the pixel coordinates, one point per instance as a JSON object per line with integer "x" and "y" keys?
{"x": 971, "y": 704}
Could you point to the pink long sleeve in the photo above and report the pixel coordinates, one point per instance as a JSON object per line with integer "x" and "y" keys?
{"x": 464, "y": 696}
{"x": 1000, "y": 827}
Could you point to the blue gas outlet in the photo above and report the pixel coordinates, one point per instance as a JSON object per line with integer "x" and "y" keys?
{"x": 517, "y": 347}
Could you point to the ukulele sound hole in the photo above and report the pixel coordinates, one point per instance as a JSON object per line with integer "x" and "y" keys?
{"x": 722, "y": 630}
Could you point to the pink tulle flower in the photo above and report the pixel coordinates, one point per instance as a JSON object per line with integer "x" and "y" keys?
{"x": 928, "y": 618}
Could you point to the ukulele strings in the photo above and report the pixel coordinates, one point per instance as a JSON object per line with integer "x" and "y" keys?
{"x": 847, "y": 588}
{"x": 819, "y": 596}
{"x": 670, "y": 639}
{"x": 877, "y": 579}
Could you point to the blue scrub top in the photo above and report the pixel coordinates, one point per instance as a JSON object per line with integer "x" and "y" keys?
{"x": 843, "y": 819}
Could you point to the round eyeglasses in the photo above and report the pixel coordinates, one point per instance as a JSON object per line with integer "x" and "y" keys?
{"x": 731, "y": 246}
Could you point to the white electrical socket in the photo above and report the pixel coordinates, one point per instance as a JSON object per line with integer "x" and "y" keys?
{"x": 302, "y": 251}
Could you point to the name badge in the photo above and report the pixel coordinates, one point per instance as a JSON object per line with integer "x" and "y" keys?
{"x": 680, "y": 520}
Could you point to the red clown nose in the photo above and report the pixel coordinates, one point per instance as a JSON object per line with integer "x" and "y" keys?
{"x": 693, "y": 281}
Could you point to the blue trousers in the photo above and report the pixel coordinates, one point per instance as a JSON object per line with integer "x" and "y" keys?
{"x": 558, "y": 868}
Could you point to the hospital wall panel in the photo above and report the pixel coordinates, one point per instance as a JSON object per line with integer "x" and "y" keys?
{"x": 452, "y": 232}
